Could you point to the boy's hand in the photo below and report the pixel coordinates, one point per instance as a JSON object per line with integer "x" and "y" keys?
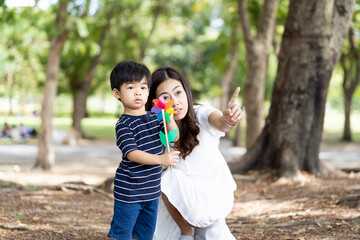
{"x": 170, "y": 159}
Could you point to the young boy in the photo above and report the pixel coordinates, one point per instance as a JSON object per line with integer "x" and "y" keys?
{"x": 137, "y": 179}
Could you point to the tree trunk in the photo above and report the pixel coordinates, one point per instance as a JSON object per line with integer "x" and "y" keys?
{"x": 229, "y": 76}
{"x": 46, "y": 157}
{"x": 350, "y": 63}
{"x": 228, "y": 80}
{"x": 314, "y": 34}
{"x": 257, "y": 51}
{"x": 80, "y": 97}
{"x": 347, "y": 127}
{"x": 238, "y": 133}
{"x": 10, "y": 82}
{"x": 23, "y": 101}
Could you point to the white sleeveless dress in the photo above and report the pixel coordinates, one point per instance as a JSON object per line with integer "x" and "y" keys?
{"x": 200, "y": 187}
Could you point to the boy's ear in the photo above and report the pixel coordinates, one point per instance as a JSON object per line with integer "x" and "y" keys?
{"x": 116, "y": 93}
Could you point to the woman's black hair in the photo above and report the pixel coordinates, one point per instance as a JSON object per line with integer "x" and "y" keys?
{"x": 188, "y": 127}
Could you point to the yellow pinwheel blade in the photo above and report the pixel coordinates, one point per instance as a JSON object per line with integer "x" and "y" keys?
{"x": 170, "y": 111}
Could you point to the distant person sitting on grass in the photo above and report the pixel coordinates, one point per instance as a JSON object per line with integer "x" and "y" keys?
{"x": 24, "y": 131}
{"x": 137, "y": 180}
{"x": 6, "y": 131}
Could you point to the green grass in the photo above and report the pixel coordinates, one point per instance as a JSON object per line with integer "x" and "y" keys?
{"x": 103, "y": 128}
{"x": 99, "y": 128}
{"x": 334, "y": 125}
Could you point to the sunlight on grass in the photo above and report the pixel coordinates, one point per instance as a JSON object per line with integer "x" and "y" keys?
{"x": 102, "y": 128}
{"x": 334, "y": 125}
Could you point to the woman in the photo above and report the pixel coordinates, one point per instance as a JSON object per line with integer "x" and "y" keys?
{"x": 198, "y": 192}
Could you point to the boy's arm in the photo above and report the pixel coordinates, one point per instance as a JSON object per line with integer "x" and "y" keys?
{"x": 166, "y": 159}
{"x": 127, "y": 144}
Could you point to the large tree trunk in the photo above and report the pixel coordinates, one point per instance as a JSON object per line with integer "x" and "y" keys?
{"x": 46, "y": 157}
{"x": 350, "y": 63}
{"x": 257, "y": 51}
{"x": 80, "y": 97}
{"x": 314, "y": 34}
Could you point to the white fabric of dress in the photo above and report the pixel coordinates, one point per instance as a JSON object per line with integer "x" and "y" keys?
{"x": 200, "y": 187}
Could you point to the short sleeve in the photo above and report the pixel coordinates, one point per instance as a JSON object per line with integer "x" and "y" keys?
{"x": 125, "y": 139}
{"x": 202, "y": 115}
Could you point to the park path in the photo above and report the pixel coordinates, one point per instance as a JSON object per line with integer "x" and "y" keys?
{"x": 93, "y": 163}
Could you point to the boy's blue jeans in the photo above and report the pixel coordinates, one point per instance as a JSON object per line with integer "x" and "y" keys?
{"x": 134, "y": 220}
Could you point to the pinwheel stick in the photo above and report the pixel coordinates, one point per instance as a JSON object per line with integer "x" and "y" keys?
{"x": 166, "y": 135}
{"x": 165, "y": 128}
{"x": 163, "y": 110}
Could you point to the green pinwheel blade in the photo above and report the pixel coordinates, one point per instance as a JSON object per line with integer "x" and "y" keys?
{"x": 163, "y": 138}
{"x": 167, "y": 116}
{"x": 172, "y": 135}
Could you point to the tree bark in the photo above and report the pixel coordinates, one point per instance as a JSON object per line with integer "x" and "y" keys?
{"x": 350, "y": 63}
{"x": 80, "y": 97}
{"x": 257, "y": 51}
{"x": 311, "y": 45}
{"x": 46, "y": 157}
{"x": 347, "y": 124}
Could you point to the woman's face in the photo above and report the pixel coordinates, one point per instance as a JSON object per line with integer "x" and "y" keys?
{"x": 172, "y": 89}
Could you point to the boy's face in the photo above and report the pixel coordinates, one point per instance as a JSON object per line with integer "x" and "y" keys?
{"x": 133, "y": 96}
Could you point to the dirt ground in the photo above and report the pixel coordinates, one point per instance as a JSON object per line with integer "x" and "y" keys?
{"x": 322, "y": 208}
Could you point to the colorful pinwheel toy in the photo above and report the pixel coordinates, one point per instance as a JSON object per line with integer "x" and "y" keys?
{"x": 163, "y": 110}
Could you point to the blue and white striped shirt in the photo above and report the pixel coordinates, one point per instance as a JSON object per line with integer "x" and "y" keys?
{"x": 136, "y": 182}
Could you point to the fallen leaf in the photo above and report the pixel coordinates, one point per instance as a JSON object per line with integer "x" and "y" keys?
{"x": 48, "y": 208}
{"x": 300, "y": 231}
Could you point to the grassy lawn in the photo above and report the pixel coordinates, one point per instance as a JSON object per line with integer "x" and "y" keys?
{"x": 103, "y": 128}
{"x": 334, "y": 124}
{"x": 100, "y": 128}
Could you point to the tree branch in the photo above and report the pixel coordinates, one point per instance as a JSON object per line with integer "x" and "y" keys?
{"x": 156, "y": 15}
{"x": 267, "y": 21}
{"x": 245, "y": 24}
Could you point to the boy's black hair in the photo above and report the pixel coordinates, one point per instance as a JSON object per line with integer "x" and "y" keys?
{"x": 127, "y": 72}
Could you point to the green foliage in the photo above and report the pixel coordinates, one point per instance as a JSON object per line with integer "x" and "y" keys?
{"x": 19, "y": 217}
{"x": 21, "y": 48}
{"x": 34, "y": 187}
